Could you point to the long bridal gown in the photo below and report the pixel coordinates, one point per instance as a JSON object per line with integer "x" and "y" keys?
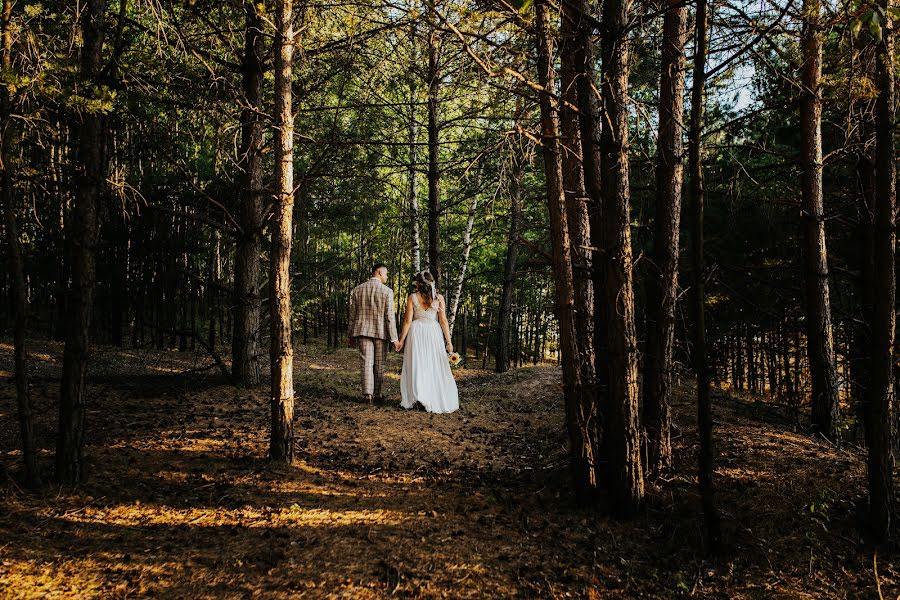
{"x": 426, "y": 377}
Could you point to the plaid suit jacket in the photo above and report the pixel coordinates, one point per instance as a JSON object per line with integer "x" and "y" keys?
{"x": 372, "y": 312}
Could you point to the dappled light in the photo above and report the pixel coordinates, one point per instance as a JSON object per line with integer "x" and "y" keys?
{"x": 449, "y": 299}
{"x": 382, "y": 500}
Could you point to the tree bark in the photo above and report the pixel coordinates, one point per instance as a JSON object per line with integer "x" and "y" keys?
{"x": 281, "y": 448}
{"x": 663, "y": 281}
{"x": 582, "y": 452}
{"x": 456, "y": 297}
{"x": 751, "y": 360}
{"x": 413, "y": 179}
{"x": 862, "y": 337}
{"x": 245, "y": 365}
{"x": 91, "y": 166}
{"x": 434, "y": 173}
{"x": 501, "y": 355}
{"x": 819, "y": 334}
{"x": 881, "y": 376}
{"x": 698, "y": 298}
{"x": 573, "y": 56}
{"x": 622, "y": 447}
{"x": 590, "y": 133}
{"x": 19, "y": 302}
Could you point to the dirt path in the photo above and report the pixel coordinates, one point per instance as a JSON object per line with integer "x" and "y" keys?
{"x": 182, "y": 503}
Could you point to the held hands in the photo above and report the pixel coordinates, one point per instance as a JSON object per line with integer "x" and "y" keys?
{"x": 398, "y": 346}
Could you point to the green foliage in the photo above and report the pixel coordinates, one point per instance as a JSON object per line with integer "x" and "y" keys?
{"x": 820, "y": 507}
{"x": 100, "y": 100}
{"x": 173, "y": 98}
{"x": 872, "y": 16}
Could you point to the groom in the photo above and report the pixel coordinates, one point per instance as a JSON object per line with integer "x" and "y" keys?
{"x": 372, "y": 324}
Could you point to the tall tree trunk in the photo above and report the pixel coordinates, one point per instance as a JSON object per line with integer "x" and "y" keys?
{"x": 212, "y": 305}
{"x": 663, "y": 281}
{"x": 413, "y": 178}
{"x": 572, "y": 58}
{"x": 281, "y": 447}
{"x": 464, "y": 350}
{"x": 484, "y": 357}
{"x": 434, "y": 173}
{"x": 582, "y": 452}
{"x": 16, "y": 265}
{"x": 119, "y": 284}
{"x": 456, "y": 297}
{"x": 772, "y": 363}
{"x": 589, "y": 134}
{"x": 572, "y": 54}
{"x": 501, "y": 354}
{"x": 819, "y": 335}
{"x": 751, "y": 361}
{"x": 622, "y": 447}
{"x": 245, "y": 346}
{"x": 706, "y": 462}
{"x": 70, "y": 466}
{"x": 791, "y": 381}
{"x": 862, "y": 337}
{"x": 881, "y": 375}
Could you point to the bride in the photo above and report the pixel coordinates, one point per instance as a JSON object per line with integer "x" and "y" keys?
{"x": 426, "y": 376}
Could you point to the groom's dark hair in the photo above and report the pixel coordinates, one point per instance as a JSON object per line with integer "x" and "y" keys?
{"x": 377, "y": 266}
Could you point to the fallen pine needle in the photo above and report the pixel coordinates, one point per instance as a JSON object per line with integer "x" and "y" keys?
{"x": 877, "y": 581}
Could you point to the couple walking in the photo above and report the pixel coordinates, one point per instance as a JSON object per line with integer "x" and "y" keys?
{"x": 426, "y": 378}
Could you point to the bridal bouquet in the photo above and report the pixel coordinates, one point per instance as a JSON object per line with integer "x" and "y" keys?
{"x": 455, "y": 360}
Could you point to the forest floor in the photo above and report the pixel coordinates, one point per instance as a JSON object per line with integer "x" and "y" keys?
{"x": 181, "y": 502}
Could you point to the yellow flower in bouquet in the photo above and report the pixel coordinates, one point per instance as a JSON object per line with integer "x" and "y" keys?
{"x": 454, "y": 358}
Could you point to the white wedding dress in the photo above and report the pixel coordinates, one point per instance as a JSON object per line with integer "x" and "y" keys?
{"x": 426, "y": 377}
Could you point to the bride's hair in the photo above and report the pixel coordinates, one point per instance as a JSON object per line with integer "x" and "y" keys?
{"x": 423, "y": 282}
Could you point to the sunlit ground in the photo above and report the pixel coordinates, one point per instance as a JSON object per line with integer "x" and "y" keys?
{"x": 181, "y": 502}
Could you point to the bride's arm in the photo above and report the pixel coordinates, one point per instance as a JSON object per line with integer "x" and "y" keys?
{"x": 442, "y": 316}
{"x": 407, "y": 319}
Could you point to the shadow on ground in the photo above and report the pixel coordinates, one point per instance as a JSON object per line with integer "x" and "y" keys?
{"x": 181, "y": 501}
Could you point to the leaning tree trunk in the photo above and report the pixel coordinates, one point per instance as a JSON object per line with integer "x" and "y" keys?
{"x": 70, "y": 466}
{"x": 881, "y": 380}
{"x": 663, "y": 281}
{"x": 501, "y": 354}
{"x": 245, "y": 346}
{"x": 582, "y": 452}
{"x": 698, "y": 298}
{"x": 434, "y": 174}
{"x": 281, "y": 447}
{"x": 819, "y": 337}
{"x": 456, "y": 298}
{"x": 622, "y": 447}
{"x": 16, "y": 265}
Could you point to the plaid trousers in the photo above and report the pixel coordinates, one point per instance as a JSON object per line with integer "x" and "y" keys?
{"x": 372, "y": 353}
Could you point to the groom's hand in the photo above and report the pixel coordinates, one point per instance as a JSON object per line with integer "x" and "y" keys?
{"x": 398, "y": 346}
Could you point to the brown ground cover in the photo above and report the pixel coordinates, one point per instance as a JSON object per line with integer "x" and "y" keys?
{"x": 181, "y": 501}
